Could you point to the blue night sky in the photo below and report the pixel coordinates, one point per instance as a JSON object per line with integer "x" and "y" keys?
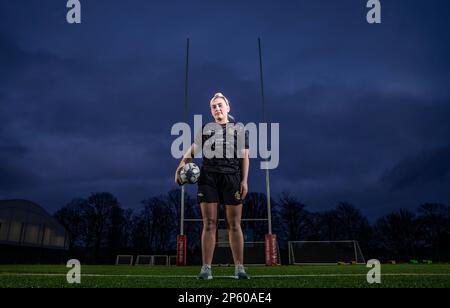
{"x": 363, "y": 109}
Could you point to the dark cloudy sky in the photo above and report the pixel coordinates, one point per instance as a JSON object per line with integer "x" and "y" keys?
{"x": 364, "y": 110}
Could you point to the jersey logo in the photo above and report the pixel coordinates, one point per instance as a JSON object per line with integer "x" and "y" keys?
{"x": 237, "y": 195}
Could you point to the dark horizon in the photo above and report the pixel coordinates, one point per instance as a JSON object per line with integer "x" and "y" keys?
{"x": 363, "y": 109}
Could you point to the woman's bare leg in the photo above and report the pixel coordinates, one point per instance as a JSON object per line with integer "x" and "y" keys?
{"x": 209, "y": 215}
{"x": 234, "y": 214}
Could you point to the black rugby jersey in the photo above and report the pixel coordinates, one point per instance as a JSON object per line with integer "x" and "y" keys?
{"x": 228, "y": 160}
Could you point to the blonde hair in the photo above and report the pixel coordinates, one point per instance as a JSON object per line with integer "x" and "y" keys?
{"x": 220, "y": 95}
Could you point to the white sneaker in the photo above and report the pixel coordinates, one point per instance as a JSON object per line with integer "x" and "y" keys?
{"x": 239, "y": 272}
{"x": 205, "y": 273}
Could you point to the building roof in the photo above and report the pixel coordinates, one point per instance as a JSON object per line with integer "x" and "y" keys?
{"x": 25, "y": 223}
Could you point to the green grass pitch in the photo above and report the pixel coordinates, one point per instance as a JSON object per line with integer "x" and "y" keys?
{"x": 326, "y": 276}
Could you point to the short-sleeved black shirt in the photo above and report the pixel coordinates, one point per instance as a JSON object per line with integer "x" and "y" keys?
{"x": 233, "y": 139}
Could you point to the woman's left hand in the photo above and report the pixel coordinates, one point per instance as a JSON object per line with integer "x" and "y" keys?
{"x": 244, "y": 190}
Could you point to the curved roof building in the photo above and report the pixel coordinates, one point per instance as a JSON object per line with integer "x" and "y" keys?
{"x": 24, "y": 223}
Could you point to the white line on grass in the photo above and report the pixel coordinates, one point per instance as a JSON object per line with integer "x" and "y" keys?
{"x": 222, "y": 276}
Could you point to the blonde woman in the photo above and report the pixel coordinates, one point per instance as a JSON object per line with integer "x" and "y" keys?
{"x": 223, "y": 180}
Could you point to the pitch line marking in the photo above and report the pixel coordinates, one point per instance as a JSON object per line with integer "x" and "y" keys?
{"x": 224, "y": 276}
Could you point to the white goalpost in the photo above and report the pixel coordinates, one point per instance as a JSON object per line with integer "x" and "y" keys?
{"x": 124, "y": 260}
{"x": 160, "y": 260}
{"x": 269, "y": 247}
{"x": 152, "y": 260}
{"x": 144, "y": 260}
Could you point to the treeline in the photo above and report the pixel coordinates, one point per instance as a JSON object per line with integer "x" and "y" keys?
{"x": 99, "y": 228}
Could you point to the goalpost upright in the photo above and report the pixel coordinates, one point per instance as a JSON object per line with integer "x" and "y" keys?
{"x": 181, "y": 238}
{"x": 271, "y": 250}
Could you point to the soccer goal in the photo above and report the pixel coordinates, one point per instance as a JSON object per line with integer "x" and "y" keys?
{"x": 325, "y": 252}
{"x": 172, "y": 260}
{"x": 144, "y": 260}
{"x": 124, "y": 260}
{"x": 160, "y": 260}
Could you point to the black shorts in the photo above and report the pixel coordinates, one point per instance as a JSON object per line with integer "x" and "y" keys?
{"x": 222, "y": 188}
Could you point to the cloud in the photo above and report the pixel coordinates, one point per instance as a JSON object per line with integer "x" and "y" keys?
{"x": 430, "y": 166}
{"x": 91, "y": 106}
{"x": 13, "y": 174}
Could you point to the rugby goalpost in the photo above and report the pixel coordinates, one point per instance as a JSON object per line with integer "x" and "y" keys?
{"x": 271, "y": 249}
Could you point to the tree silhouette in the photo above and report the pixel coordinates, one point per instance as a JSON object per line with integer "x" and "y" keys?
{"x": 73, "y": 217}
{"x": 296, "y": 220}
{"x": 396, "y": 235}
{"x": 162, "y": 223}
{"x": 103, "y": 205}
{"x": 98, "y": 227}
{"x": 434, "y": 227}
{"x": 255, "y": 206}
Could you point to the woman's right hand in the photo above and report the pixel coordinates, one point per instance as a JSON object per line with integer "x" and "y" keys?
{"x": 177, "y": 173}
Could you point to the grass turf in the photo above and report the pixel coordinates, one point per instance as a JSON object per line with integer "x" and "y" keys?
{"x": 328, "y": 276}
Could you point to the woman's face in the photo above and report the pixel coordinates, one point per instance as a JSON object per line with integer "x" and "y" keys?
{"x": 219, "y": 110}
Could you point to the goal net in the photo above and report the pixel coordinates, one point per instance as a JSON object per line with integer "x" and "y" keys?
{"x": 152, "y": 260}
{"x": 324, "y": 252}
{"x": 124, "y": 260}
{"x": 144, "y": 260}
{"x": 160, "y": 260}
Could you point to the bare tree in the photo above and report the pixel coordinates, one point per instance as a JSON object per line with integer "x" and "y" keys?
{"x": 72, "y": 217}
{"x": 103, "y": 205}
{"x": 434, "y": 226}
{"x": 396, "y": 235}
{"x": 255, "y": 206}
{"x": 162, "y": 227}
{"x": 296, "y": 220}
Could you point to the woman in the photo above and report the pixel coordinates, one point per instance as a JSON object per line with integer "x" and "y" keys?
{"x": 223, "y": 179}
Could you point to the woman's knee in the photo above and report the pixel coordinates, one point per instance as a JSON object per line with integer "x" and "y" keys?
{"x": 234, "y": 226}
{"x": 210, "y": 224}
